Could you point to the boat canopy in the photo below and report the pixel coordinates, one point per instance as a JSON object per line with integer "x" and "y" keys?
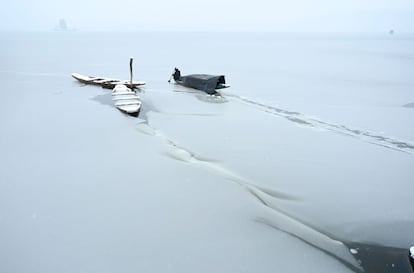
{"x": 206, "y": 83}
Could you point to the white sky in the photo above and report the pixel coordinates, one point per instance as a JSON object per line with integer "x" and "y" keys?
{"x": 227, "y": 15}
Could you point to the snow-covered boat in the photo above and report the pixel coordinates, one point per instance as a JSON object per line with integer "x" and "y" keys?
{"x": 106, "y": 82}
{"x": 203, "y": 82}
{"x": 126, "y": 100}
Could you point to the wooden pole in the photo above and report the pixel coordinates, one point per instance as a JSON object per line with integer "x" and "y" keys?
{"x": 130, "y": 68}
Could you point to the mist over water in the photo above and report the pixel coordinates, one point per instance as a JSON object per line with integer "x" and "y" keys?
{"x": 306, "y": 156}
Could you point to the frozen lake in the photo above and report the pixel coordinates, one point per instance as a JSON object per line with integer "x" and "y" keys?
{"x": 305, "y": 164}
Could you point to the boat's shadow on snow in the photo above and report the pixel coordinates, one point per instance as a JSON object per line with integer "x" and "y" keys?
{"x": 104, "y": 99}
{"x": 204, "y": 97}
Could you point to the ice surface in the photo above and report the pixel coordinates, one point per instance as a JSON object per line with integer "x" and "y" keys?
{"x": 299, "y": 158}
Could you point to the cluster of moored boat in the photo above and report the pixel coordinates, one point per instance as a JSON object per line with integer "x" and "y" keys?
{"x": 124, "y": 93}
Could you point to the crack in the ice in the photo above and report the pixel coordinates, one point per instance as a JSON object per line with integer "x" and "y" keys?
{"x": 182, "y": 154}
{"x": 274, "y": 217}
{"x": 306, "y": 233}
{"x": 279, "y": 219}
{"x": 303, "y": 120}
{"x": 351, "y": 264}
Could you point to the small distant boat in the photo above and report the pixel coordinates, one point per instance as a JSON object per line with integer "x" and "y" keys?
{"x": 203, "y": 82}
{"x": 108, "y": 82}
{"x": 126, "y": 100}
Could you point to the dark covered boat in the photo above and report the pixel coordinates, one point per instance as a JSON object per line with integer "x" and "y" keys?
{"x": 203, "y": 82}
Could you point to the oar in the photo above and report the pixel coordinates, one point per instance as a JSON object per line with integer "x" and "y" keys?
{"x": 172, "y": 74}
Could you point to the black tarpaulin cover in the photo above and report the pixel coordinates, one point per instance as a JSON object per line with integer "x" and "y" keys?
{"x": 207, "y": 83}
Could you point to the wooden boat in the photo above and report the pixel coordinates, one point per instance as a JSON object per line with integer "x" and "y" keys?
{"x": 106, "y": 82}
{"x": 126, "y": 100}
{"x": 203, "y": 82}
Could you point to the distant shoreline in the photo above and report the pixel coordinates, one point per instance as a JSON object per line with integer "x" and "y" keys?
{"x": 284, "y": 33}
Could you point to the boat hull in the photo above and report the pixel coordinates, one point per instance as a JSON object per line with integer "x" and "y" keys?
{"x": 106, "y": 82}
{"x": 204, "y": 82}
{"x": 126, "y": 100}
